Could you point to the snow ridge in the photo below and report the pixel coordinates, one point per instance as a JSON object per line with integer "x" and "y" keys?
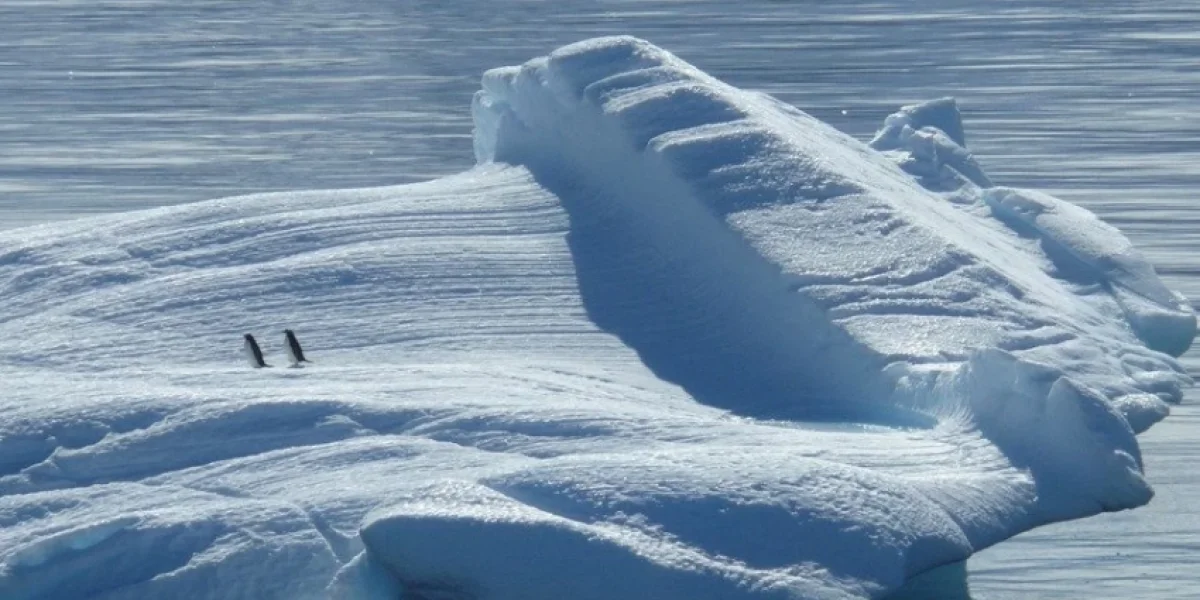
{"x": 761, "y": 203}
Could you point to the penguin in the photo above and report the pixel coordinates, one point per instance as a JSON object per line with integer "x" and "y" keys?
{"x": 294, "y": 351}
{"x": 254, "y": 353}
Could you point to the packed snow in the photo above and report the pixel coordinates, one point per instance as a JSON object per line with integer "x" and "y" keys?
{"x": 670, "y": 339}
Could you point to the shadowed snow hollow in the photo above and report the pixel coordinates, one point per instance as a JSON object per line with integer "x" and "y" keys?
{"x": 672, "y": 340}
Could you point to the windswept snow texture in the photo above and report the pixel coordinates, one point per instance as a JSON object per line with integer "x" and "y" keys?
{"x": 672, "y": 340}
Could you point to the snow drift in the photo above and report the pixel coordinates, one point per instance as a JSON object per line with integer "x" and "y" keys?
{"x": 668, "y": 330}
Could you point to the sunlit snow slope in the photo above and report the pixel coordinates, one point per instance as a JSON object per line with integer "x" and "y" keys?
{"x": 672, "y": 340}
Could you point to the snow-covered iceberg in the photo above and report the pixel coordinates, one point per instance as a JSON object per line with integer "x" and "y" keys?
{"x": 670, "y": 339}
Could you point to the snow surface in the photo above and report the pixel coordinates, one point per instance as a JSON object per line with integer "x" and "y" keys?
{"x": 667, "y": 329}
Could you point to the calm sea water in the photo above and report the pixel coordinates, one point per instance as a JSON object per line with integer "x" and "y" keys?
{"x": 111, "y": 105}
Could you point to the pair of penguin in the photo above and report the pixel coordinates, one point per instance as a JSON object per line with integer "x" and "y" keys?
{"x": 254, "y": 353}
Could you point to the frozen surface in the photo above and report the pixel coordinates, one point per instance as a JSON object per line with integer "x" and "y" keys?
{"x": 675, "y": 342}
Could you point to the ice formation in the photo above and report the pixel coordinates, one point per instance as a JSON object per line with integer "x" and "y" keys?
{"x": 670, "y": 339}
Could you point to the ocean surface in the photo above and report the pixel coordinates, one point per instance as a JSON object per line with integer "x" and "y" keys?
{"x": 114, "y": 105}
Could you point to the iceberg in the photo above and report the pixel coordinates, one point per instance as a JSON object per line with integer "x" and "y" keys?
{"x": 669, "y": 339}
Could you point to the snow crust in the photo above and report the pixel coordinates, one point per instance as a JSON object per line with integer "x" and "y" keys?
{"x": 671, "y": 339}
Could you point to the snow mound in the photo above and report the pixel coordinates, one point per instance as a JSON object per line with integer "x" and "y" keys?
{"x": 688, "y": 342}
{"x": 931, "y": 145}
{"x": 1083, "y": 248}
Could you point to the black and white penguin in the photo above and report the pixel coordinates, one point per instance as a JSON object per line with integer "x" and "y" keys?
{"x": 254, "y": 353}
{"x": 294, "y": 351}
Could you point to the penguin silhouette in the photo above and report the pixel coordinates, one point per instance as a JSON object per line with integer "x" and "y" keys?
{"x": 254, "y": 353}
{"x": 294, "y": 351}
